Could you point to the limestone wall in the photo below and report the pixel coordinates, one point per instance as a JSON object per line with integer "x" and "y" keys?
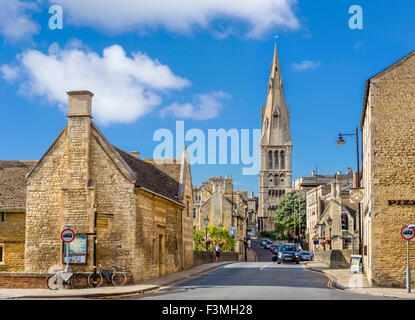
{"x": 392, "y": 137}
{"x": 12, "y": 231}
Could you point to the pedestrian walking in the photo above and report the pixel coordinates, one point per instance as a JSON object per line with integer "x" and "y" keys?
{"x": 218, "y": 250}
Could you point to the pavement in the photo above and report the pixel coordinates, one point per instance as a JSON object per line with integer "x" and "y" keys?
{"x": 143, "y": 287}
{"x": 357, "y": 283}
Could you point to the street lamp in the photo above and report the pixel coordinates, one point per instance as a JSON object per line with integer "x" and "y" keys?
{"x": 220, "y": 232}
{"x": 323, "y": 235}
{"x": 206, "y": 220}
{"x": 340, "y": 141}
{"x": 330, "y": 223}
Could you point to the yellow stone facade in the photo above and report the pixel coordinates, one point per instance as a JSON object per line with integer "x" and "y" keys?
{"x": 142, "y": 221}
{"x": 388, "y": 129}
{"x": 12, "y": 233}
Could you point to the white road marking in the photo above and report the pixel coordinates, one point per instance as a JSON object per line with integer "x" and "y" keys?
{"x": 265, "y": 266}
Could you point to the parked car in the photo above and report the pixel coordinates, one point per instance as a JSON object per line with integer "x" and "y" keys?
{"x": 305, "y": 256}
{"x": 264, "y": 241}
{"x": 288, "y": 252}
{"x": 268, "y": 245}
{"x": 272, "y": 247}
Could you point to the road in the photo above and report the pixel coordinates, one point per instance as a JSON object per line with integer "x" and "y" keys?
{"x": 263, "y": 280}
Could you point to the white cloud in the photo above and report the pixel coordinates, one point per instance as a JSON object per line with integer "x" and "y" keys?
{"x": 9, "y": 73}
{"x": 204, "y": 107}
{"x": 306, "y": 65}
{"x": 15, "y": 20}
{"x": 125, "y": 88}
{"x": 183, "y": 16}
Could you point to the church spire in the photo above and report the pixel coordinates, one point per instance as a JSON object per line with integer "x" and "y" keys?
{"x": 275, "y": 126}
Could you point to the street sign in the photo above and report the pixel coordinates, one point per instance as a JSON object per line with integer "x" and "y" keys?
{"x": 407, "y": 233}
{"x": 67, "y": 235}
{"x": 232, "y": 230}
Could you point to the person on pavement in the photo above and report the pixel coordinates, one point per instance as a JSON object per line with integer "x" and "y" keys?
{"x": 217, "y": 252}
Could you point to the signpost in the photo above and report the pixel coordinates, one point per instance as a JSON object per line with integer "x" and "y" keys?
{"x": 67, "y": 236}
{"x": 408, "y": 234}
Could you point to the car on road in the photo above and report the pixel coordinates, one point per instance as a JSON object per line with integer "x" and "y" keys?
{"x": 272, "y": 247}
{"x": 269, "y": 244}
{"x": 288, "y": 253}
{"x": 264, "y": 241}
{"x": 305, "y": 256}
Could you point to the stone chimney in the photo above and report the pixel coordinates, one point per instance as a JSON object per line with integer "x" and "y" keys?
{"x": 333, "y": 189}
{"x": 78, "y": 132}
{"x": 76, "y": 198}
{"x": 136, "y": 154}
{"x": 228, "y": 184}
{"x": 79, "y": 104}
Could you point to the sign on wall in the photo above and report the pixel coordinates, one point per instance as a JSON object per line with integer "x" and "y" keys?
{"x": 77, "y": 250}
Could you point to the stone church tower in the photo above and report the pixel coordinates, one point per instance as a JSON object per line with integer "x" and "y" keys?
{"x": 275, "y": 149}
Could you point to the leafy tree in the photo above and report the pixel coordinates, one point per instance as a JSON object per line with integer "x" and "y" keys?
{"x": 216, "y": 236}
{"x": 284, "y": 214}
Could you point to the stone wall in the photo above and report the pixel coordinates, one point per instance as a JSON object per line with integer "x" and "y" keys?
{"x": 12, "y": 231}
{"x": 389, "y": 157}
{"x": 203, "y": 257}
{"x": 334, "y": 258}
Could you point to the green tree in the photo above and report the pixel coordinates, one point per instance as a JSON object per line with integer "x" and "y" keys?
{"x": 216, "y": 236}
{"x": 284, "y": 214}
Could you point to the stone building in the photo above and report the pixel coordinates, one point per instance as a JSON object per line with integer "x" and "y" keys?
{"x": 315, "y": 208}
{"x": 328, "y": 227}
{"x": 217, "y": 200}
{"x": 275, "y": 149}
{"x": 388, "y": 132}
{"x": 144, "y": 224}
{"x": 12, "y": 213}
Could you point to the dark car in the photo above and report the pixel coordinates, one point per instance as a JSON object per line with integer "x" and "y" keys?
{"x": 288, "y": 253}
{"x": 305, "y": 256}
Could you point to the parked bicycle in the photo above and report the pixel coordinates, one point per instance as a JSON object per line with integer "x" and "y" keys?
{"x": 59, "y": 279}
{"x": 114, "y": 276}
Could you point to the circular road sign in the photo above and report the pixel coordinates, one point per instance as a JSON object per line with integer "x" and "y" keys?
{"x": 67, "y": 235}
{"x": 407, "y": 233}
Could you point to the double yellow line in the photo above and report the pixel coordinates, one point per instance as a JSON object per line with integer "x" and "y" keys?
{"x": 127, "y": 295}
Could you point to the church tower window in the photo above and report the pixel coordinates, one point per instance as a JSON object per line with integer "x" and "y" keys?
{"x": 276, "y": 161}
{"x": 282, "y": 160}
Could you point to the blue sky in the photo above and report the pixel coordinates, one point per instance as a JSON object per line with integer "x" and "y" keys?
{"x": 213, "y": 58}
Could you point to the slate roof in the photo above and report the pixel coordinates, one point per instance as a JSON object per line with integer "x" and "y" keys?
{"x": 150, "y": 177}
{"x": 172, "y": 169}
{"x": 12, "y": 183}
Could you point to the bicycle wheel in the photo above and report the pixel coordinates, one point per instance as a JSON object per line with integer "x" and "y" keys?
{"x": 119, "y": 278}
{"x": 95, "y": 282}
{"x": 53, "y": 282}
{"x": 79, "y": 281}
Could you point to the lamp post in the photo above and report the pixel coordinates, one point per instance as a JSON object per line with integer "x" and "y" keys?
{"x": 330, "y": 223}
{"x": 323, "y": 235}
{"x": 340, "y": 141}
{"x": 220, "y": 232}
{"x": 206, "y": 220}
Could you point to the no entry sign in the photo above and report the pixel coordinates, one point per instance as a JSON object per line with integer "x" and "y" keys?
{"x": 407, "y": 233}
{"x": 67, "y": 235}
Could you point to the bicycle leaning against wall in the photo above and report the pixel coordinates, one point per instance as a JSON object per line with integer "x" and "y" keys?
{"x": 59, "y": 279}
{"x": 114, "y": 276}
